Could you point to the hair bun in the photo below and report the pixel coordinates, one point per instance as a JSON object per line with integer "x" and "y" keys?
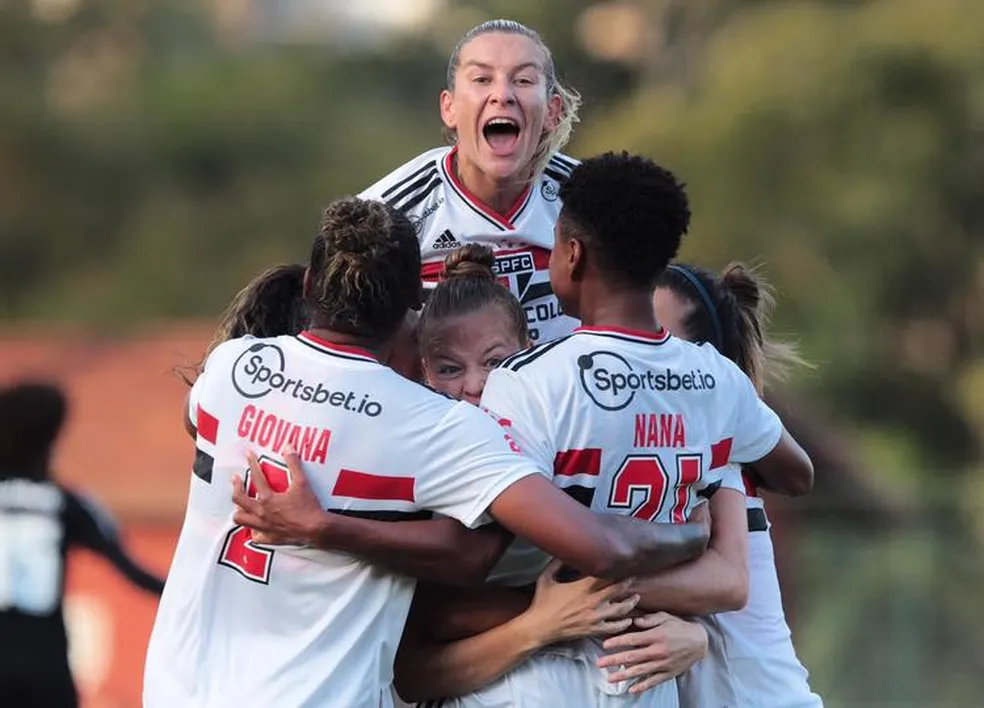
{"x": 359, "y": 227}
{"x": 747, "y": 290}
{"x": 470, "y": 261}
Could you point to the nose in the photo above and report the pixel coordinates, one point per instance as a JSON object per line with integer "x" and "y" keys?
{"x": 503, "y": 93}
{"x": 473, "y": 386}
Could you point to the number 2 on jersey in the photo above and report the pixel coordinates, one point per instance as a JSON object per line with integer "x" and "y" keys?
{"x": 239, "y": 552}
{"x": 642, "y": 484}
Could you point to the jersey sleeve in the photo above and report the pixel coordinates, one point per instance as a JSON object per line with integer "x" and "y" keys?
{"x": 470, "y": 462}
{"x": 731, "y": 479}
{"x": 511, "y": 403}
{"x": 757, "y": 427}
{"x": 194, "y": 395}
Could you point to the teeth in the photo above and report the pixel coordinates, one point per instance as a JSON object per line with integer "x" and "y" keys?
{"x": 502, "y": 121}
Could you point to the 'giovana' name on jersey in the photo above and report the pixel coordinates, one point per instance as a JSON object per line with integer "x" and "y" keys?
{"x": 610, "y": 381}
{"x": 446, "y": 216}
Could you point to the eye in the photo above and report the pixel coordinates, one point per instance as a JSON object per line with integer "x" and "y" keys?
{"x": 494, "y": 362}
{"x": 526, "y": 81}
{"x": 481, "y": 79}
{"x": 447, "y": 370}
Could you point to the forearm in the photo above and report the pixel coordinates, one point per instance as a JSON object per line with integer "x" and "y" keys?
{"x": 427, "y": 671}
{"x": 601, "y": 545}
{"x": 451, "y": 614}
{"x": 650, "y": 547}
{"x": 439, "y": 551}
{"x": 132, "y": 571}
{"x": 709, "y": 584}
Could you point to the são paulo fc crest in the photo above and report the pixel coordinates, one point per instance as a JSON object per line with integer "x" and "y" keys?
{"x": 516, "y": 271}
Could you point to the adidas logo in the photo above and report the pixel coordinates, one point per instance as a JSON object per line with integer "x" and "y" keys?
{"x": 446, "y": 241}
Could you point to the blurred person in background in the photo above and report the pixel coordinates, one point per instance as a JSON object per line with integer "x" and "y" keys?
{"x": 508, "y": 115}
{"x": 40, "y": 520}
{"x": 751, "y": 660}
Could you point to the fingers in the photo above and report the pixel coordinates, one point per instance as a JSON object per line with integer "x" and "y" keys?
{"x": 611, "y": 610}
{"x": 634, "y": 671}
{"x": 628, "y": 660}
{"x": 607, "y": 592}
{"x": 293, "y": 461}
{"x": 652, "y": 681}
{"x": 551, "y": 570}
{"x": 242, "y": 517}
{"x": 632, "y": 639}
{"x": 257, "y": 477}
{"x": 243, "y": 500}
{"x": 653, "y": 619}
{"x": 612, "y": 626}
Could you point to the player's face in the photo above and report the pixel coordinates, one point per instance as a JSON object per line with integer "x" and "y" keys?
{"x": 499, "y": 106}
{"x": 464, "y": 349}
{"x": 671, "y": 311}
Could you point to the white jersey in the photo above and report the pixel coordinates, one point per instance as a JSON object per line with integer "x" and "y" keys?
{"x": 241, "y": 624}
{"x": 630, "y": 423}
{"x": 750, "y": 659}
{"x": 446, "y": 216}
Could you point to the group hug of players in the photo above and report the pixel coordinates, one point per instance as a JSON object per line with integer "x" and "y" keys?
{"x": 530, "y": 482}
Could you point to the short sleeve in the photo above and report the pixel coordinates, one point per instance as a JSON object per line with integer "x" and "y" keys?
{"x": 194, "y": 396}
{"x": 470, "y": 463}
{"x": 511, "y": 402}
{"x": 757, "y": 427}
{"x": 731, "y": 478}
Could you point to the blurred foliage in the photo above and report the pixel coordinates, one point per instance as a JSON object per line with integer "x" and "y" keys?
{"x": 151, "y": 161}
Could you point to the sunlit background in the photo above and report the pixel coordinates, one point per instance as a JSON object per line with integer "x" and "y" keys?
{"x": 156, "y": 154}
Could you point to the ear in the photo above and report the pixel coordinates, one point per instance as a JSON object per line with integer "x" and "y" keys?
{"x": 447, "y": 110}
{"x": 555, "y": 113}
{"x": 577, "y": 258}
{"x": 425, "y": 370}
{"x": 306, "y": 286}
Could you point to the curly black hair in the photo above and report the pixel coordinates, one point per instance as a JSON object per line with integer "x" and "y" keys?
{"x": 31, "y": 417}
{"x": 365, "y": 269}
{"x": 630, "y": 213}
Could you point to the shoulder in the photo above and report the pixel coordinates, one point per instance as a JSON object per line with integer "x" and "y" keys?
{"x": 728, "y": 376}
{"x": 559, "y": 168}
{"x": 411, "y": 183}
{"x": 538, "y": 359}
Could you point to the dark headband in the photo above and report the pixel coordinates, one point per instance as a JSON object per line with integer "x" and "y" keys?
{"x": 705, "y": 298}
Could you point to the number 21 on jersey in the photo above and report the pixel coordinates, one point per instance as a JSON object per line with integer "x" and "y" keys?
{"x": 239, "y": 552}
{"x": 642, "y": 483}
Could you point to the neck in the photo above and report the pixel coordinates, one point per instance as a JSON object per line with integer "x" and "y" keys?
{"x": 625, "y": 309}
{"x": 500, "y": 195}
{"x": 373, "y": 346}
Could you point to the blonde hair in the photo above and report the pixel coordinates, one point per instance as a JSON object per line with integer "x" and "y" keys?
{"x": 551, "y": 141}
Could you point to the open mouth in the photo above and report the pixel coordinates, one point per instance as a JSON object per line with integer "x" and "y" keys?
{"x": 501, "y": 134}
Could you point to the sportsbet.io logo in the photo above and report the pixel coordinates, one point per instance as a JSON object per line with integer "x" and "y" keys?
{"x": 262, "y": 369}
{"x": 611, "y": 382}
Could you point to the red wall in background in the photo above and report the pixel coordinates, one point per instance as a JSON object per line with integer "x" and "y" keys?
{"x": 109, "y": 620}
